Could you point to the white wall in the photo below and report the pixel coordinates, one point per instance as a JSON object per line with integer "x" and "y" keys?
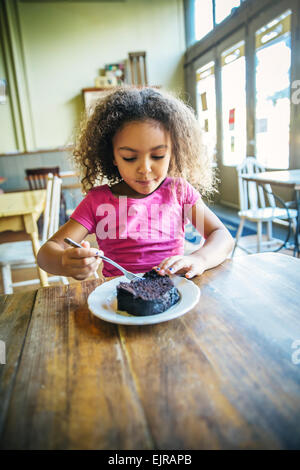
{"x": 65, "y": 44}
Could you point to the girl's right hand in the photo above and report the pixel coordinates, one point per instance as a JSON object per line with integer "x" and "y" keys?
{"x": 80, "y": 263}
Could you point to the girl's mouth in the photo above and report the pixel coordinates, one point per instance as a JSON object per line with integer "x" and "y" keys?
{"x": 144, "y": 183}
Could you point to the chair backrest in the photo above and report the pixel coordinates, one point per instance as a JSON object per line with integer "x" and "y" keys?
{"x": 138, "y": 75}
{"x": 51, "y": 212}
{"x": 251, "y": 195}
{"x": 37, "y": 177}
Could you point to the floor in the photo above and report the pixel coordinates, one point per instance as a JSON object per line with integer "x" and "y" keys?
{"x": 279, "y": 233}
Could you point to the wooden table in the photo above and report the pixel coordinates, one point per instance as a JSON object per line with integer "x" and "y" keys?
{"x": 223, "y": 376}
{"x": 287, "y": 178}
{"x": 20, "y": 211}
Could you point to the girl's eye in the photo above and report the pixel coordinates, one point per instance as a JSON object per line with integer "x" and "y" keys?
{"x": 131, "y": 159}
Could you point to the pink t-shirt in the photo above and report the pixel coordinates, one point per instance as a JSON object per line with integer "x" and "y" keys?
{"x": 138, "y": 233}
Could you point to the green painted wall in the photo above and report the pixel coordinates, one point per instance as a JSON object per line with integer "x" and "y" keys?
{"x": 8, "y": 142}
{"x": 64, "y": 45}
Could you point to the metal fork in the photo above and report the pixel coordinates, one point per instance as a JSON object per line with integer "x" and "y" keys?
{"x": 127, "y": 274}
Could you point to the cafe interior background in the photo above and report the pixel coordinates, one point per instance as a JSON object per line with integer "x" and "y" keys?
{"x": 234, "y": 61}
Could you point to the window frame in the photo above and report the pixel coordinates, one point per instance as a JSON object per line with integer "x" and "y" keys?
{"x": 248, "y": 19}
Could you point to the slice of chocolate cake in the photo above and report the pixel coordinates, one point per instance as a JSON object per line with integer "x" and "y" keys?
{"x": 149, "y": 295}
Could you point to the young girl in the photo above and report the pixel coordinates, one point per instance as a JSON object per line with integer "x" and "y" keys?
{"x": 147, "y": 147}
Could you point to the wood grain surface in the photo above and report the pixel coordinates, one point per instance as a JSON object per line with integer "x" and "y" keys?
{"x": 219, "y": 377}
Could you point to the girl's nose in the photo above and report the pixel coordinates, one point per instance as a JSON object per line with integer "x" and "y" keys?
{"x": 144, "y": 167}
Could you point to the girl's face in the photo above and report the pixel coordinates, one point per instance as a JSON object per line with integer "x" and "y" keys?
{"x": 142, "y": 152}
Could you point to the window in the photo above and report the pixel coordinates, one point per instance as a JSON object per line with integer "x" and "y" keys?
{"x": 224, "y": 8}
{"x": 233, "y": 76}
{"x": 204, "y": 18}
{"x": 265, "y": 128}
{"x": 209, "y": 13}
{"x": 272, "y": 113}
{"x": 206, "y": 105}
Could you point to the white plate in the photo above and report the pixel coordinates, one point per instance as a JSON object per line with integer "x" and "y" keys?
{"x": 102, "y": 302}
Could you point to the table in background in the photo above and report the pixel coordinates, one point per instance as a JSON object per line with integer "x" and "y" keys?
{"x": 20, "y": 211}
{"x": 288, "y": 178}
{"x": 223, "y": 376}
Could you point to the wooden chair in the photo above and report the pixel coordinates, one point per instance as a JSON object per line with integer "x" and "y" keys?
{"x": 37, "y": 179}
{"x": 256, "y": 208}
{"x": 18, "y": 255}
{"x": 138, "y": 74}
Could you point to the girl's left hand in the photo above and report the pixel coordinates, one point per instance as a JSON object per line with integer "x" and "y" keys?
{"x": 190, "y": 265}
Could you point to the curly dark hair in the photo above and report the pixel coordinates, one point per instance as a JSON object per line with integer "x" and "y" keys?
{"x": 93, "y": 151}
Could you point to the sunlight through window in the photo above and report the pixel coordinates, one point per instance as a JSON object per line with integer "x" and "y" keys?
{"x": 224, "y": 8}
{"x": 234, "y": 104}
{"x": 273, "y": 62}
{"x": 206, "y": 106}
{"x": 204, "y": 18}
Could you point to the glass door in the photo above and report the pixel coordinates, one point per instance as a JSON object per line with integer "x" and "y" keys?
{"x": 272, "y": 112}
{"x": 206, "y": 105}
{"x": 233, "y": 78}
